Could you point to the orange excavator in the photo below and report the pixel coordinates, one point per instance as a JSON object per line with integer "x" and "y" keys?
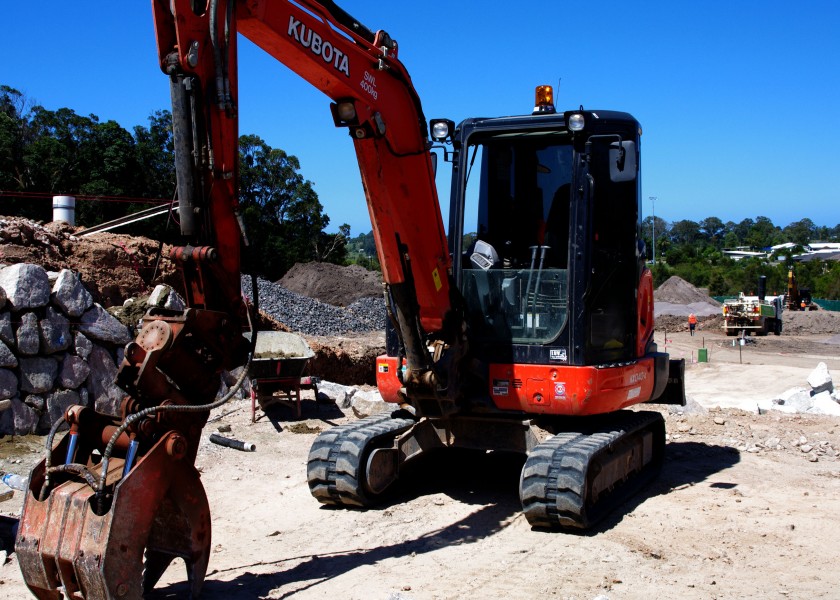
{"x": 528, "y": 328}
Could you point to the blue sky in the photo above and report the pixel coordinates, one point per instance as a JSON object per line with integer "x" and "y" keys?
{"x": 739, "y": 101}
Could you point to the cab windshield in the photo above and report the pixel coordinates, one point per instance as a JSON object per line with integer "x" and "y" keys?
{"x": 517, "y": 207}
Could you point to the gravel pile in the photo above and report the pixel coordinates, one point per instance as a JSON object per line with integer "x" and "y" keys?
{"x": 313, "y": 317}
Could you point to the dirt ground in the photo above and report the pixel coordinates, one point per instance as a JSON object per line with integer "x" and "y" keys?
{"x": 745, "y": 507}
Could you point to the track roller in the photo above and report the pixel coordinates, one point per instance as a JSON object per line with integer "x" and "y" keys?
{"x": 575, "y": 478}
{"x": 338, "y": 468}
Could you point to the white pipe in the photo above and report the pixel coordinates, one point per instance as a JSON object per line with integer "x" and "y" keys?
{"x": 64, "y": 209}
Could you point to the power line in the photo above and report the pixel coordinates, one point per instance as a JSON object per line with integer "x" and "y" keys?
{"x": 9, "y": 194}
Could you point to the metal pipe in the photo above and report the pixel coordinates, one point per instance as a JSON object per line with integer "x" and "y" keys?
{"x": 71, "y": 448}
{"x": 537, "y": 285}
{"x": 528, "y": 288}
{"x": 231, "y": 443}
{"x": 129, "y": 458}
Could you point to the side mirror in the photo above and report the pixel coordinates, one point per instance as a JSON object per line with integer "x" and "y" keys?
{"x": 623, "y": 166}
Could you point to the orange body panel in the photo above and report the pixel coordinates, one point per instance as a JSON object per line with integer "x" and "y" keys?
{"x": 570, "y": 390}
{"x": 387, "y": 381}
{"x": 549, "y": 389}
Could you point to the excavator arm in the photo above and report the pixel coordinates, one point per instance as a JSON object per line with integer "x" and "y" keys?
{"x": 119, "y": 497}
{"x": 372, "y": 96}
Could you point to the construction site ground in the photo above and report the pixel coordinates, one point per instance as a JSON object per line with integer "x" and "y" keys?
{"x": 746, "y": 506}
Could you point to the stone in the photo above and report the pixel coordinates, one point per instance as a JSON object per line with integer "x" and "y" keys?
{"x": 83, "y": 346}
{"x": 8, "y": 384}
{"x": 55, "y": 332}
{"x": 27, "y": 286}
{"x": 59, "y": 401}
{"x": 174, "y": 301}
{"x": 38, "y": 375}
{"x": 365, "y": 404}
{"x": 7, "y": 357}
{"x": 84, "y": 396}
{"x": 164, "y": 296}
{"x": 70, "y": 295}
{"x": 73, "y": 373}
{"x": 105, "y": 396}
{"x": 100, "y": 325}
{"x": 158, "y": 295}
{"x": 36, "y": 402}
{"x": 28, "y": 334}
{"x": 2, "y": 298}
{"x": 6, "y": 333}
{"x": 692, "y": 407}
{"x": 820, "y": 379}
{"x": 796, "y": 399}
{"x": 25, "y": 419}
{"x": 766, "y": 404}
{"x": 824, "y": 404}
{"x": 339, "y": 394}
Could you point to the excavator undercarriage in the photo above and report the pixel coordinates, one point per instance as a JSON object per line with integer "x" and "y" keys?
{"x": 576, "y": 472}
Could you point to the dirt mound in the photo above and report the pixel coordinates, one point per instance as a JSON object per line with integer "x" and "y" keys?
{"x": 333, "y": 284}
{"x": 815, "y": 322}
{"x": 113, "y": 267}
{"x": 669, "y": 322}
{"x": 678, "y": 291}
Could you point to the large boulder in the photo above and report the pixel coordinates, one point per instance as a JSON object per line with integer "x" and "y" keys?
{"x": 98, "y": 324}
{"x": 105, "y": 396}
{"x": 70, "y": 295}
{"x": 55, "y": 332}
{"x": 38, "y": 375}
{"x": 27, "y": 286}
{"x": 28, "y": 334}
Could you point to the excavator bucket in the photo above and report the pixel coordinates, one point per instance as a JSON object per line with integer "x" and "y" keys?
{"x": 159, "y": 512}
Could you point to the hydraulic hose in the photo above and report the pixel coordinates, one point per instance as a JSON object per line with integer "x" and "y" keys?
{"x": 185, "y": 408}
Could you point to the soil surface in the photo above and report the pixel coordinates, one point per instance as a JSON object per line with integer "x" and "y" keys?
{"x": 113, "y": 267}
{"x": 743, "y": 508}
{"x": 333, "y": 284}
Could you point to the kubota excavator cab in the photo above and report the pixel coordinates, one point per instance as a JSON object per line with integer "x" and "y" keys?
{"x": 544, "y": 230}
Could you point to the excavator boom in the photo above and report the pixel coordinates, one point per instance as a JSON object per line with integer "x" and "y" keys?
{"x": 119, "y": 497}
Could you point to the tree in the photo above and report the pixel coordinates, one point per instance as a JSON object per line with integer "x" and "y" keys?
{"x": 801, "y": 232}
{"x": 684, "y": 233}
{"x": 763, "y": 233}
{"x": 14, "y": 137}
{"x": 713, "y": 231}
{"x": 284, "y": 218}
{"x": 156, "y": 155}
{"x": 654, "y": 226}
{"x": 742, "y": 231}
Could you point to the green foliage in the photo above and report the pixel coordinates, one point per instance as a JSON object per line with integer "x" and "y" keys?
{"x": 361, "y": 251}
{"x": 693, "y": 251}
{"x": 283, "y": 216}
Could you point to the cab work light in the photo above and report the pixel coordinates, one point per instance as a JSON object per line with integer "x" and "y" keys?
{"x": 344, "y": 113}
{"x": 442, "y": 129}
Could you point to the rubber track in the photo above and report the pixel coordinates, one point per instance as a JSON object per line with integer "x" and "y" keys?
{"x": 336, "y": 464}
{"x": 553, "y": 482}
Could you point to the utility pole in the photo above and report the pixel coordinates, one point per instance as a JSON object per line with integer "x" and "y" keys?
{"x": 653, "y": 226}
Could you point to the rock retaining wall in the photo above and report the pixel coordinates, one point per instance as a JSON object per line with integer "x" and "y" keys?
{"x": 57, "y": 348}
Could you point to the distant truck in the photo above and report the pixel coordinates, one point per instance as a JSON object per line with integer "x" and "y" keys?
{"x": 753, "y": 314}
